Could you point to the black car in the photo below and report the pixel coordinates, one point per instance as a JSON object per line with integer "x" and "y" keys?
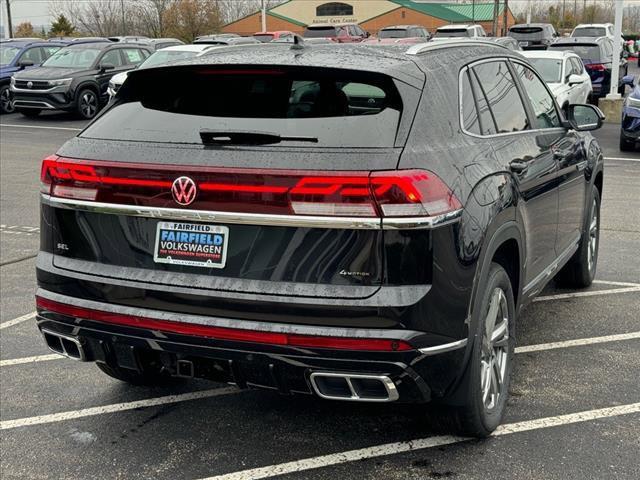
{"x": 333, "y": 220}
{"x": 534, "y": 36}
{"x": 75, "y": 78}
{"x": 597, "y": 56}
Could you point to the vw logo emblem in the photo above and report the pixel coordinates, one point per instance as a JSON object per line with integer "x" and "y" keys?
{"x": 184, "y": 190}
{"x": 29, "y": 84}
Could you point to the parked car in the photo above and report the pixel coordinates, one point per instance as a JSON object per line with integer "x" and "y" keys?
{"x": 597, "y": 57}
{"x": 534, "y": 36}
{"x": 454, "y": 31}
{"x": 509, "y": 42}
{"x": 225, "y": 40}
{"x": 16, "y": 56}
{"x": 75, "y": 78}
{"x": 265, "y": 37}
{"x": 160, "y": 43}
{"x": 596, "y": 30}
{"x": 129, "y": 38}
{"x": 160, "y": 57}
{"x": 342, "y": 33}
{"x": 320, "y": 226}
{"x": 78, "y": 40}
{"x": 396, "y": 32}
{"x": 630, "y": 128}
{"x": 565, "y": 75}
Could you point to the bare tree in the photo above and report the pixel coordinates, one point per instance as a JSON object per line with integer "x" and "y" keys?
{"x": 234, "y": 9}
{"x": 103, "y": 18}
{"x": 150, "y": 16}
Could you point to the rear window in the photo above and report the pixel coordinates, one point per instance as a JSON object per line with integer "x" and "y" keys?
{"x": 267, "y": 37}
{"x": 335, "y": 107}
{"x": 319, "y": 32}
{"x": 393, "y": 33}
{"x": 526, "y": 30}
{"x": 589, "y": 32}
{"x": 588, "y": 53}
{"x": 452, "y": 32}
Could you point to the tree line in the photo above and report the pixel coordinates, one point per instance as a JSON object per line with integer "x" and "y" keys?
{"x": 183, "y": 19}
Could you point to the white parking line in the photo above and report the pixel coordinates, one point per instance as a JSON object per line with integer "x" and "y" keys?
{"x": 623, "y": 159}
{"x": 595, "y": 293}
{"x": 116, "y": 407}
{"x": 40, "y": 126}
{"x": 619, "y": 284}
{"x": 421, "y": 444}
{"x": 577, "y": 342}
{"x": 15, "y": 321}
{"x": 38, "y": 358}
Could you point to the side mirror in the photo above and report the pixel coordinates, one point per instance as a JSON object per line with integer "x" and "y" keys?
{"x": 575, "y": 79}
{"x": 106, "y": 66}
{"x": 628, "y": 80}
{"x": 25, "y": 63}
{"x": 583, "y": 118}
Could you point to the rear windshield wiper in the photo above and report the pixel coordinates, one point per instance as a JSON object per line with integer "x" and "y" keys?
{"x": 214, "y": 137}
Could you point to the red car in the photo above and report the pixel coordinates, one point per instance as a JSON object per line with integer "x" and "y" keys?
{"x": 343, "y": 33}
{"x": 266, "y": 37}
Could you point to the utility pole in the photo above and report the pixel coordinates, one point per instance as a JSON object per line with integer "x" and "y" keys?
{"x": 505, "y": 18}
{"x": 264, "y": 16}
{"x": 124, "y": 28}
{"x": 529, "y": 11}
{"x": 9, "y": 24}
{"x": 473, "y": 11}
{"x": 494, "y": 28}
{"x": 564, "y": 6}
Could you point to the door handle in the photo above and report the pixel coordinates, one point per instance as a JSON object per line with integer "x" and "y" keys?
{"x": 518, "y": 166}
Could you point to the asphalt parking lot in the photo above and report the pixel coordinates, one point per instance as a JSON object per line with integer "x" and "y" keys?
{"x": 574, "y": 410}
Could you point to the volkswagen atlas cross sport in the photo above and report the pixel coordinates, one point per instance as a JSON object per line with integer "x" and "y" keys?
{"x": 354, "y": 222}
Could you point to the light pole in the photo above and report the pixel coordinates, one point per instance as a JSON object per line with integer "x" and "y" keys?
{"x": 9, "y": 24}
{"x": 617, "y": 51}
{"x": 264, "y": 16}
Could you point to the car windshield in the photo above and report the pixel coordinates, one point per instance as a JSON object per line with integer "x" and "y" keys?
{"x": 7, "y": 54}
{"x": 550, "y": 69}
{"x": 72, "y": 58}
{"x": 165, "y": 56}
{"x": 393, "y": 33}
{"x": 319, "y": 32}
{"x": 452, "y": 32}
{"x": 588, "y": 53}
{"x": 589, "y": 32}
{"x": 338, "y": 108}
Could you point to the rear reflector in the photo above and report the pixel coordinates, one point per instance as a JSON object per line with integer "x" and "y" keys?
{"x": 397, "y": 193}
{"x": 219, "y": 333}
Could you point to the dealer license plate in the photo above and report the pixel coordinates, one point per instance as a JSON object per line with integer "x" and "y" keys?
{"x": 191, "y": 244}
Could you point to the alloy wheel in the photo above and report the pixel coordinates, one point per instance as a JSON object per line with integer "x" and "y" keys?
{"x": 593, "y": 236}
{"x": 5, "y": 101}
{"x": 88, "y": 104}
{"x": 495, "y": 350}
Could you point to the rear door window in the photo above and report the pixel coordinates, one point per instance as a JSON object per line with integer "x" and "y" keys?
{"x": 112, "y": 58}
{"x": 334, "y": 107}
{"x": 497, "y": 86}
{"x": 133, "y": 56}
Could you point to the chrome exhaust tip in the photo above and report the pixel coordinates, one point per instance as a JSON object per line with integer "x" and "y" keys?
{"x": 70, "y": 347}
{"x": 354, "y": 387}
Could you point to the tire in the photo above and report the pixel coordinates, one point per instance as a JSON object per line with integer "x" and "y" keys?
{"x": 29, "y": 112}
{"x": 488, "y": 376}
{"x": 87, "y": 104}
{"x": 580, "y": 271}
{"x": 147, "y": 377}
{"x": 626, "y": 145}
{"x": 6, "y": 104}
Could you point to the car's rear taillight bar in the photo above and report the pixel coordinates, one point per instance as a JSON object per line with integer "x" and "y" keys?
{"x": 222, "y": 333}
{"x": 597, "y": 67}
{"x": 377, "y": 194}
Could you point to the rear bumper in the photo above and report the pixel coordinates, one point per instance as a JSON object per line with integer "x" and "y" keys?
{"x": 416, "y": 374}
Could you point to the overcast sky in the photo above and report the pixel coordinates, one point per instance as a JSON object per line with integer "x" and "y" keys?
{"x": 37, "y": 11}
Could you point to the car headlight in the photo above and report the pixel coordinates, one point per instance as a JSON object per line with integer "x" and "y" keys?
{"x": 60, "y": 82}
{"x": 633, "y": 102}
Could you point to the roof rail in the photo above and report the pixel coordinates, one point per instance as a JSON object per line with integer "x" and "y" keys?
{"x": 431, "y": 45}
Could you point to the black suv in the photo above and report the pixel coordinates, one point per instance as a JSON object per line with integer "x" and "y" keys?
{"x": 279, "y": 221}
{"x": 534, "y": 36}
{"x": 75, "y": 78}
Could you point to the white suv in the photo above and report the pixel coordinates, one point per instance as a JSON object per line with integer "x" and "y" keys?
{"x": 464, "y": 31}
{"x": 595, "y": 30}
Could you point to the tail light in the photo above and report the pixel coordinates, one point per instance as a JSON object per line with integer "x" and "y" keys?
{"x": 596, "y": 67}
{"x": 397, "y": 193}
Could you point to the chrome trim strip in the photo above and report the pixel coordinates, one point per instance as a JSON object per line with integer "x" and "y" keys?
{"x": 20, "y": 103}
{"x": 435, "y": 45}
{"x": 32, "y": 90}
{"x": 363, "y": 223}
{"x": 445, "y": 347}
{"x": 64, "y": 352}
{"x": 390, "y": 387}
{"x": 553, "y": 267}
